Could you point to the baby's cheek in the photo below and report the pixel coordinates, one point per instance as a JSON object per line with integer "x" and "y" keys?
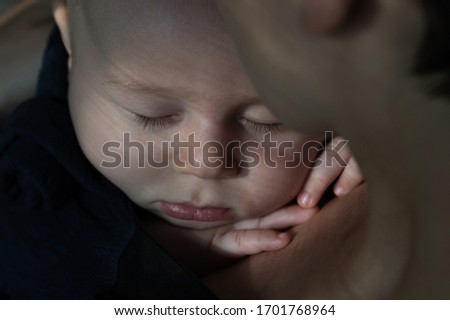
{"x": 292, "y": 164}
{"x": 290, "y": 180}
{"x": 273, "y": 188}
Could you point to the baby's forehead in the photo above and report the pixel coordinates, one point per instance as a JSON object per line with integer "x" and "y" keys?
{"x": 145, "y": 36}
{"x": 150, "y": 20}
{"x": 160, "y": 44}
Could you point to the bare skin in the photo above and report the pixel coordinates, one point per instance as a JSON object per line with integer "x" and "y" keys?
{"x": 303, "y": 269}
{"x": 356, "y": 82}
{"x": 120, "y": 72}
{"x": 357, "y": 78}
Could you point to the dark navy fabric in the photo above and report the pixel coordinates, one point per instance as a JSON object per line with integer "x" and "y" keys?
{"x": 66, "y": 232}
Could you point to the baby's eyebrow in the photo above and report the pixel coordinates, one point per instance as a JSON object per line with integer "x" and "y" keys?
{"x": 178, "y": 93}
{"x": 147, "y": 89}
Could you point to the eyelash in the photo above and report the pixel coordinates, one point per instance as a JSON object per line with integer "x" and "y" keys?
{"x": 153, "y": 123}
{"x": 262, "y": 127}
{"x": 162, "y": 123}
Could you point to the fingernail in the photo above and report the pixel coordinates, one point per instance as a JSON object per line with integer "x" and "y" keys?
{"x": 283, "y": 235}
{"x": 305, "y": 199}
{"x": 339, "y": 191}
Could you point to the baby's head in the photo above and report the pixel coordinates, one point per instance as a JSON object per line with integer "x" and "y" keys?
{"x": 145, "y": 74}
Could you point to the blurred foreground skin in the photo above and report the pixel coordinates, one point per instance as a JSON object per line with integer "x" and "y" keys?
{"x": 307, "y": 57}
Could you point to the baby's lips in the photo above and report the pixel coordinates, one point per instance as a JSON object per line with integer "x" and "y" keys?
{"x": 186, "y": 211}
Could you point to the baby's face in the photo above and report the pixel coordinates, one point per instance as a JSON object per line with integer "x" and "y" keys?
{"x": 151, "y": 76}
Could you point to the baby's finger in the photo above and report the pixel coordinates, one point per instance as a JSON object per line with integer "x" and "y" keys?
{"x": 350, "y": 178}
{"x": 285, "y": 217}
{"x": 331, "y": 163}
{"x": 244, "y": 242}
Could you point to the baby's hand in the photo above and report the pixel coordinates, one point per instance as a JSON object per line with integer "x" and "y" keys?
{"x": 262, "y": 234}
{"x": 253, "y": 236}
{"x": 321, "y": 177}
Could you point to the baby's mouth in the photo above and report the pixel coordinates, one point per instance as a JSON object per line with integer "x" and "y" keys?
{"x": 187, "y": 211}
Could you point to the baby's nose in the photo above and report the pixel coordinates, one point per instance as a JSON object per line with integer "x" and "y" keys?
{"x": 209, "y": 160}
